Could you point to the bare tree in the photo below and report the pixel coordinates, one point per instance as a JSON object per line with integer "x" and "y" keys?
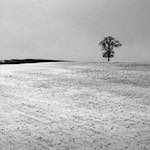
{"x": 108, "y": 44}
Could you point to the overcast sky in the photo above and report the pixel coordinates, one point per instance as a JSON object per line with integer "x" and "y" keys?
{"x": 72, "y": 29}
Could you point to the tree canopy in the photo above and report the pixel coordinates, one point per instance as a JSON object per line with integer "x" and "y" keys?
{"x": 108, "y": 44}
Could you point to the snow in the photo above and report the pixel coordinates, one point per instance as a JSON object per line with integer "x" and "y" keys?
{"x": 75, "y": 106}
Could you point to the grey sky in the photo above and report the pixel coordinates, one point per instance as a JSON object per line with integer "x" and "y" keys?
{"x": 71, "y": 29}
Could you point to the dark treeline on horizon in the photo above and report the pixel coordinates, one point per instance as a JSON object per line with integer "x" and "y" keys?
{"x": 21, "y": 61}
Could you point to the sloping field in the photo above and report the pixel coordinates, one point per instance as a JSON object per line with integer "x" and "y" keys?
{"x": 75, "y": 106}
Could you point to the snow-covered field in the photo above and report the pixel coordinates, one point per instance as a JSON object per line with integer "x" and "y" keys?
{"x": 75, "y": 106}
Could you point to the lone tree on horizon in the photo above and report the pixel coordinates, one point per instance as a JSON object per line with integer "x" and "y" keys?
{"x": 108, "y": 44}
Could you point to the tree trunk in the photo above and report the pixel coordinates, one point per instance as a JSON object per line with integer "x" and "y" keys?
{"x": 109, "y": 55}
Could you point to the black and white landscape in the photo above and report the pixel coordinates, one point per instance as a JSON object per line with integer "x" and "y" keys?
{"x": 74, "y": 75}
